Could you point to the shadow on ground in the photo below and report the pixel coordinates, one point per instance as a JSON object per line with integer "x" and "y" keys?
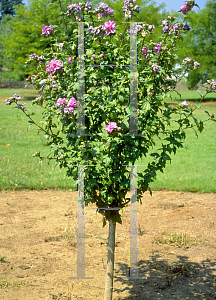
{"x": 159, "y": 279}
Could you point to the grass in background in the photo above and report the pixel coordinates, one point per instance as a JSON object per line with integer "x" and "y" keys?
{"x": 18, "y": 140}
{"x": 30, "y": 94}
{"x": 192, "y": 169}
{"x": 190, "y": 96}
{"x": 26, "y": 94}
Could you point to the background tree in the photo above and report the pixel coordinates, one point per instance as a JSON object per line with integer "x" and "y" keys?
{"x": 200, "y": 43}
{"x": 5, "y": 30}
{"x": 7, "y": 11}
{"x": 7, "y": 7}
{"x": 24, "y": 35}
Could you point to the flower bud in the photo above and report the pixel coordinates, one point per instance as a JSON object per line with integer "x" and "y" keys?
{"x": 151, "y": 28}
{"x": 186, "y": 26}
{"x": 21, "y": 106}
{"x": 184, "y": 104}
{"x": 165, "y": 29}
{"x": 8, "y": 102}
{"x": 165, "y": 22}
{"x": 16, "y": 97}
{"x": 156, "y": 68}
{"x": 196, "y": 65}
{"x": 144, "y": 33}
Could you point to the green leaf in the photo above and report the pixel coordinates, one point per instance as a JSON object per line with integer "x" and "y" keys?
{"x": 207, "y": 112}
{"x": 146, "y": 106}
{"x": 200, "y": 93}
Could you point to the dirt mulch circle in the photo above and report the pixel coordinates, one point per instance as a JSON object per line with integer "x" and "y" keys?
{"x": 38, "y": 252}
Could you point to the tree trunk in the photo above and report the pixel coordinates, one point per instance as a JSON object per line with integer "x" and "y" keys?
{"x": 110, "y": 261}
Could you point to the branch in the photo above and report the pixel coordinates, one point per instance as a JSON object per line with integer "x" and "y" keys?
{"x": 35, "y": 123}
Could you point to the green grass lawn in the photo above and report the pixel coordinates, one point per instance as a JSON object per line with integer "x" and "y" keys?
{"x": 30, "y": 94}
{"x": 192, "y": 169}
{"x": 26, "y": 94}
{"x": 190, "y": 96}
{"x": 18, "y": 169}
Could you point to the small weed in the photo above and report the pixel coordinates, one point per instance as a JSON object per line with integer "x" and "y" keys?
{"x": 5, "y": 283}
{"x": 101, "y": 238}
{"x": 68, "y": 232}
{"x": 52, "y": 239}
{"x": 140, "y": 230}
{"x": 177, "y": 240}
{"x": 178, "y": 270}
{"x": 173, "y": 271}
{"x": 183, "y": 269}
{"x": 69, "y": 213}
{"x": 19, "y": 283}
{"x": 2, "y": 258}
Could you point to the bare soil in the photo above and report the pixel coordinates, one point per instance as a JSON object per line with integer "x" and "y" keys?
{"x": 38, "y": 237}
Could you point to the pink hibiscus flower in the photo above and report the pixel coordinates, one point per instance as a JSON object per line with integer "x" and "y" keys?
{"x": 109, "y": 27}
{"x": 111, "y": 126}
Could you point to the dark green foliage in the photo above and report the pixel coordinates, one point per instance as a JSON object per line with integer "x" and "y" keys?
{"x": 200, "y": 43}
{"x": 7, "y": 7}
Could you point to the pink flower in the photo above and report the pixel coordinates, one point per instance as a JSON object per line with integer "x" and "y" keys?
{"x": 70, "y": 60}
{"x": 111, "y": 126}
{"x": 68, "y": 110}
{"x": 60, "y": 102}
{"x": 53, "y": 66}
{"x": 99, "y": 16}
{"x": 109, "y": 27}
{"x": 72, "y": 103}
{"x": 145, "y": 50}
{"x": 185, "y": 8}
{"x": 157, "y": 48}
{"x": 46, "y": 30}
